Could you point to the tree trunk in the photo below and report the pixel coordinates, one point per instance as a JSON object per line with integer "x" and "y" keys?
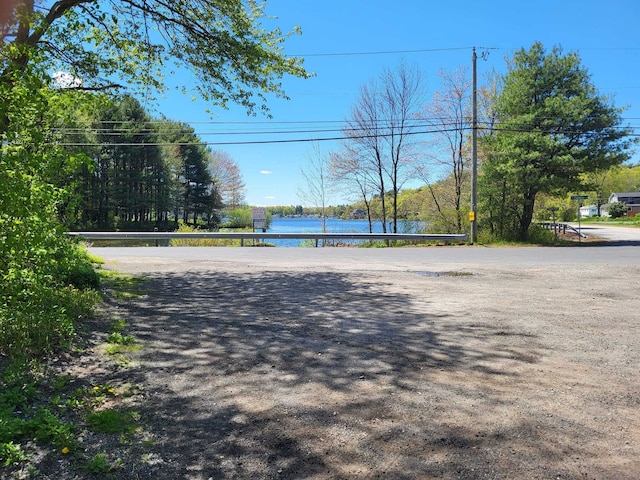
{"x": 527, "y": 215}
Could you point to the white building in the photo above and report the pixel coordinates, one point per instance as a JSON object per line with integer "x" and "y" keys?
{"x": 589, "y": 211}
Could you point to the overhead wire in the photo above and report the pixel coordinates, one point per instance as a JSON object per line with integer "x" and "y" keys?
{"x": 354, "y": 135}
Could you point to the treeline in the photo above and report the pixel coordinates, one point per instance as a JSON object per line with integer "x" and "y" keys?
{"x": 543, "y": 133}
{"x": 140, "y": 172}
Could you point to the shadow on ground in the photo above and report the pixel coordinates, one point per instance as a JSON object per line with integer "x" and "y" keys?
{"x": 327, "y": 376}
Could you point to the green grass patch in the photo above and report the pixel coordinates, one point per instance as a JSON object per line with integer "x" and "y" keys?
{"x": 118, "y": 338}
{"x": 623, "y": 221}
{"x": 122, "y": 286}
{"x": 100, "y": 464}
{"x": 112, "y": 421}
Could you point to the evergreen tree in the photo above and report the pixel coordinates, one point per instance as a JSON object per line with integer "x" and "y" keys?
{"x": 553, "y": 126}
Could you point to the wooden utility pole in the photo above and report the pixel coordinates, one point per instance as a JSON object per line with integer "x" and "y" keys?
{"x": 474, "y": 152}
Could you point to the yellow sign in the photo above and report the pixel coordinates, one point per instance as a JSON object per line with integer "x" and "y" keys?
{"x": 472, "y": 216}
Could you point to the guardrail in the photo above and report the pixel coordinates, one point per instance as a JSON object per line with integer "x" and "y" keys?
{"x": 561, "y": 227}
{"x": 416, "y": 237}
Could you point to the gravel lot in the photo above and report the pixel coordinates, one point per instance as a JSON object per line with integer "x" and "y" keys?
{"x": 359, "y": 370}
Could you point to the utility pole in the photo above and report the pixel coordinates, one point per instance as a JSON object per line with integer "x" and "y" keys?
{"x": 474, "y": 152}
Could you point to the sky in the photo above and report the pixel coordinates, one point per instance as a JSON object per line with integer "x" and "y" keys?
{"x": 348, "y": 43}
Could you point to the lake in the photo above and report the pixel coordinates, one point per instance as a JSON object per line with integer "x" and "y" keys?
{"x": 334, "y": 225}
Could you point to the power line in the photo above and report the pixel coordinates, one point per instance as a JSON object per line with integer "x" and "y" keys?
{"x": 356, "y": 136}
{"x": 385, "y": 52}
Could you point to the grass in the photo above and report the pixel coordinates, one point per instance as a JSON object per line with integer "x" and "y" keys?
{"x": 44, "y": 407}
{"x": 121, "y": 344}
{"x": 112, "y": 421}
{"x": 624, "y": 221}
{"x": 122, "y": 287}
{"x": 100, "y": 464}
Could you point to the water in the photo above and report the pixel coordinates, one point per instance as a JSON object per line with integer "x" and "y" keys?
{"x": 334, "y": 225}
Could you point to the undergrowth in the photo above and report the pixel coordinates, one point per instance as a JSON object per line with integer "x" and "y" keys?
{"x": 42, "y": 410}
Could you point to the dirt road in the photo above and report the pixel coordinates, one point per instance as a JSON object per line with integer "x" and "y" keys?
{"x": 360, "y": 370}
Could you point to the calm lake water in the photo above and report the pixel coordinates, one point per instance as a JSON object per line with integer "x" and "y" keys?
{"x": 337, "y": 225}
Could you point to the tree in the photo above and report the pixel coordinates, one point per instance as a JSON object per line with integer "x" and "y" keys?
{"x": 104, "y": 44}
{"x": 347, "y": 172}
{"x": 227, "y": 178}
{"x": 380, "y": 131}
{"x": 98, "y": 45}
{"x": 450, "y": 113}
{"x": 40, "y": 270}
{"x": 553, "y": 127}
{"x": 317, "y": 188}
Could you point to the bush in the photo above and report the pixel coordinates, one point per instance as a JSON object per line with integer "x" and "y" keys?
{"x": 617, "y": 210}
{"x": 43, "y": 291}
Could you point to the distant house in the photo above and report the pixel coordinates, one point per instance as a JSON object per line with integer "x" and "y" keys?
{"x": 589, "y": 211}
{"x": 358, "y": 213}
{"x": 630, "y": 199}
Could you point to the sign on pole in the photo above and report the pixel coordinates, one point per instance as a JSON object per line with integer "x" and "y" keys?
{"x": 259, "y": 217}
{"x": 579, "y": 197}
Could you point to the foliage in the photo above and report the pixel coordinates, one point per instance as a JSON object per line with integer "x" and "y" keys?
{"x": 92, "y": 45}
{"x": 617, "y": 210}
{"x": 10, "y": 453}
{"x": 18, "y": 421}
{"x": 227, "y": 178}
{"x": 100, "y": 464}
{"x": 553, "y": 127}
{"x": 118, "y": 338}
{"x": 602, "y": 183}
{"x": 140, "y": 172}
{"x": 450, "y": 111}
{"x": 201, "y": 242}
{"x": 240, "y": 217}
{"x": 37, "y": 405}
{"x": 317, "y": 189}
{"x": 43, "y": 275}
{"x": 100, "y": 43}
{"x": 112, "y": 421}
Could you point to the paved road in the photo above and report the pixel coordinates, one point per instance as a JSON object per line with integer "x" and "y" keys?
{"x": 333, "y": 363}
{"x": 623, "y": 249}
{"x": 151, "y": 259}
{"x": 612, "y": 233}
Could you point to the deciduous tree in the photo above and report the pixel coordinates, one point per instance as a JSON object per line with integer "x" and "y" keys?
{"x": 317, "y": 188}
{"x": 109, "y": 43}
{"x": 450, "y": 113}
{"x": 380, "y": 131}
{"x": 227, "y": 178}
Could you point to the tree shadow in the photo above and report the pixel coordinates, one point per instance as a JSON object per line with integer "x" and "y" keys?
{"x": 326, "y": 375}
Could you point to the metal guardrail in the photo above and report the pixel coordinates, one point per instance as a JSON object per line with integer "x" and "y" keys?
{"x": 419, "y": 237}
{"x": 561, "y": 227}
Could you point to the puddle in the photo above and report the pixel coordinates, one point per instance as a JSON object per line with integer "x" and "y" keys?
{"x": 426, "y": 273}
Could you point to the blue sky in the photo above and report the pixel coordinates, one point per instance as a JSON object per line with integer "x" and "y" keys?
{"x": 605, "y": 34}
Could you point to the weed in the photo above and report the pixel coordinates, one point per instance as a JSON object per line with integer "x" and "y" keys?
{"x": 99, "y": 463}
{"x": 122, "y": 286}
{"x": 60, "y": 381}
{"x": 121, "y": 344}
{"x": 118, "y": 338}
{"x": 118, "y": 325}
{"x": 118, "y": 352}
{"x": 46, "y": 427}
{"x": 112, "y": 421}
{"x": 10, "y": 453}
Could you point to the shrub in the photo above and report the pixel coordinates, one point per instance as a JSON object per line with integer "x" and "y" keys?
{"x": 617, "y": 210}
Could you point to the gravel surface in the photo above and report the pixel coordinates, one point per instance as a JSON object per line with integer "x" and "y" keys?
{"x": 360, "y": 370}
